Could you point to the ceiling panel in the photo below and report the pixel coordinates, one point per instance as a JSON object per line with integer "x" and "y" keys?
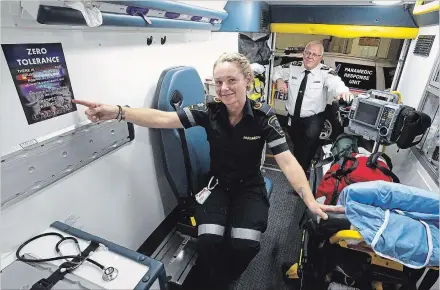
{"x": 330, "y": 2}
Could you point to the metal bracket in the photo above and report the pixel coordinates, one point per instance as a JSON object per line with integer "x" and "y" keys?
{"x": 29, "y": 170}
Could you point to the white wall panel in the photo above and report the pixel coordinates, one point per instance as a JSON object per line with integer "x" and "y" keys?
{"x": 417, "y": 69}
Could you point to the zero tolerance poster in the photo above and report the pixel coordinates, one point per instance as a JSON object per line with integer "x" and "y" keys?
{"x": 40, "y": 75}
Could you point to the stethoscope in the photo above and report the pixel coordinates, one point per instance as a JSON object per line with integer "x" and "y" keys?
{"x": 108, "y": 273}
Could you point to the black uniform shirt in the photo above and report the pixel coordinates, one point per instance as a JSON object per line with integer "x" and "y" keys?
{"x": 236, "y": 152}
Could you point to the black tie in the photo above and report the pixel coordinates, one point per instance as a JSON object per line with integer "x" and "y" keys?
{"x": 299, "y": 98}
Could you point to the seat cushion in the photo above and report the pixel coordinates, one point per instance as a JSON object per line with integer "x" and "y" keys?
{"x": 269, "y": 186}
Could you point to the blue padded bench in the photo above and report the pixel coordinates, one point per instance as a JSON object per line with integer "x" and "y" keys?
{"x": 187, "y": 82}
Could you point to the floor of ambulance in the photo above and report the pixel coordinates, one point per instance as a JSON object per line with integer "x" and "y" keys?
{"x": 281, "y": 242}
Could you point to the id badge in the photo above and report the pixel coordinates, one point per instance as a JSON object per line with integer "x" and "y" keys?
{"x": 203, "y": 195}
{"x": 205, "y": 192}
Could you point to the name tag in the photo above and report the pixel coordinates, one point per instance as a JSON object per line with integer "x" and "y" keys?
{"x": 251, "y": 137}
{"x": 317, "y": 82}
{"x": 294, "y": 78}
{"x": 203, "y": 195}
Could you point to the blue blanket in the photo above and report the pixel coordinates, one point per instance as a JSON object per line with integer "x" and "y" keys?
{"x": 399, "y": 222}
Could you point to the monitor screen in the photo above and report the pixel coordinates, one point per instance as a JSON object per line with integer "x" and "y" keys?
{"x": 367, "y": 113}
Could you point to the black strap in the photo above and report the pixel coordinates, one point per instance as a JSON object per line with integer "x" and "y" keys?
{"x": 325, "y": 161}
{"x": 387, "y": 160}
{"x": 176, "y": 101}
{"x": 372, "y": 159}
{"x": 372, "y": 162}
{"x": 341, "y": 171}
{"x": 49, "y": 282}
{"x": 335, "y": 195}
{"x": 389, "y": 173}
{"x": 299, "y": 98}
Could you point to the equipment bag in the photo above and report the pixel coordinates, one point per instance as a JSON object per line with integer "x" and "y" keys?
{"x": 353, "y": 168}
{"x": 410, "y": 127}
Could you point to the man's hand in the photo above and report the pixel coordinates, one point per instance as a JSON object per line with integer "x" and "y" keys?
{"x": 321, "y": 209}
{"x": 346, "y": 96}
{"x": 281, "y": 86}
{"x": 98, "y": 112}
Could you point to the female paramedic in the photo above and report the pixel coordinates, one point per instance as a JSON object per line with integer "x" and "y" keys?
{"x": 237, "y": 129}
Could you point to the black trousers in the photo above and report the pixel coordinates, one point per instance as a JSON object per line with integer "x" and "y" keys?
{"x": 304, "y": 133}
{"x": 230, "y": 223}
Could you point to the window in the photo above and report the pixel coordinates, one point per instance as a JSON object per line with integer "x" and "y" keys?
{"x": 428, "y": 149}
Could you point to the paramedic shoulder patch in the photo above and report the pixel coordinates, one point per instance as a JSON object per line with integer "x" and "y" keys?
{"x": 273, "y": 122}
{"x": 199, "y": 107}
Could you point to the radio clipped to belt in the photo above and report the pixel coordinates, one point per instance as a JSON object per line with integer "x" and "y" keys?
{"x": 206, "y": 191}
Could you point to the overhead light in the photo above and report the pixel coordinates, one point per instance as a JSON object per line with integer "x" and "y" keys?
{"x": 385, "y": 2}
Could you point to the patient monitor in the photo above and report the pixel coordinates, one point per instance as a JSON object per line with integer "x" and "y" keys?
{"x": 373, "y": 115}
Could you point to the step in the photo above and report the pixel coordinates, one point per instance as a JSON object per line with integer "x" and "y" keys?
{"x": 178, "y": 254}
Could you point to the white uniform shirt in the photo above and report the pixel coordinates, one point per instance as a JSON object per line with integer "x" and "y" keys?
{"x": 322, "y": 83}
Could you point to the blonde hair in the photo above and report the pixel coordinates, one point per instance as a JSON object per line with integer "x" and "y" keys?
{"x": 240, "y": 60}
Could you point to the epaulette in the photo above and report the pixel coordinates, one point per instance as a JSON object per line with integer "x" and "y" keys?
{"x": 210, "y": 99}
{"x": 329, "y": 69}
{"x": 297, "y": 63}
{"x": 264, "y": 108}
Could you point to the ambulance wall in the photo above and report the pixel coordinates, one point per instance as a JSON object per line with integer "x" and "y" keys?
{"x": 119, "y": 196}
{"x": 414, "y": 78}
{"x": 417, "y": 69}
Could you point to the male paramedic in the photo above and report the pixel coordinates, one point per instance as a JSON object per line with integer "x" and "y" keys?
{"x": 233, "y": 217}
{"x": 311, "y": 85}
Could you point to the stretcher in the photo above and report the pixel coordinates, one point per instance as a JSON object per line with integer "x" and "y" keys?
{"x": 334, "y": 255}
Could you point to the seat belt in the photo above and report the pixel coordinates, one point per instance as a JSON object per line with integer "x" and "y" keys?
{"x": 176, "y": 101}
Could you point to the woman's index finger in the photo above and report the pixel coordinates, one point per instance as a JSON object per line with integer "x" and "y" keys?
{"x": 85, "y": 103}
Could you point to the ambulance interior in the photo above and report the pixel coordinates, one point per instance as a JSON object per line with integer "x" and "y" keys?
{"x": 127, "y": 192}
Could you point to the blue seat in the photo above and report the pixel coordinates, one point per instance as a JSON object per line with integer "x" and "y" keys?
{"x": 186, "y": 83}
